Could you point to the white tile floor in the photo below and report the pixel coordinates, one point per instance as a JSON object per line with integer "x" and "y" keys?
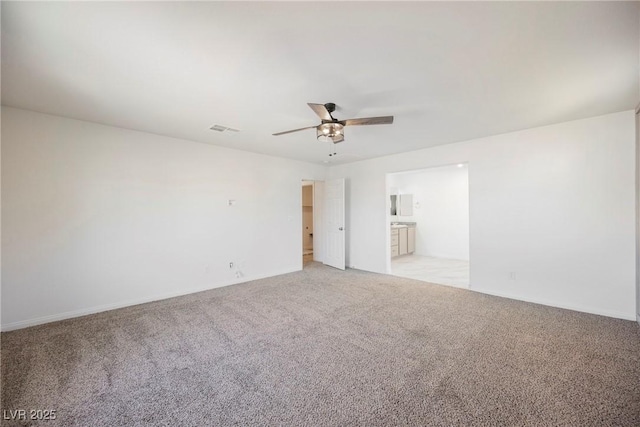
{"x": 452, "y": 272}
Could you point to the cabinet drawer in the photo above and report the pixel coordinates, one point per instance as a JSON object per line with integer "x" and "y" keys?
{"x": 394, "y": 231}
{"x": 394, "y": 240}
{"x": 394, "y": 250}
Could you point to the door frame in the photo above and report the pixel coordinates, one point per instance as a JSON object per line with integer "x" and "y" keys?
{"x": 467, "y": 164}
{"x": 637, "y": 196}
{"x": 317, "y": 191}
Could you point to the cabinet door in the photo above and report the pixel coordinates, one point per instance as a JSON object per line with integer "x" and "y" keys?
{"x": 411, "y": 240}
{"x": 402, "y": 241}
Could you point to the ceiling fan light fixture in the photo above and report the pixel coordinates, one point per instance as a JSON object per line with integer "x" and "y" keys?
{"x": 330, "y": 132}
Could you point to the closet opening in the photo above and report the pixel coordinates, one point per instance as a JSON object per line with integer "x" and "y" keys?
{"x": 307, "y": 222}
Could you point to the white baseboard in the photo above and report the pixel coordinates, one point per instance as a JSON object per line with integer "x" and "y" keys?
{"x": 98, "y": 309}
{"x": 573, "y": 307}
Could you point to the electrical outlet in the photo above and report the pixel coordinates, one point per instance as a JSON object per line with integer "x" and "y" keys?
{"x": 512, "y": 275}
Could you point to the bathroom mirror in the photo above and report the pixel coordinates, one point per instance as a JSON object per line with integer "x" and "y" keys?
{"x": 405, "y": 205}
{"x": 394, "y": 204}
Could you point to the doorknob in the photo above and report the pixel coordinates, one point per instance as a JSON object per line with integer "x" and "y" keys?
{"x": 340, "y": 228}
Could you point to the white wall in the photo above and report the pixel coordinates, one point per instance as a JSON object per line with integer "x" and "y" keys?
{"x": 96, "y": 217}
{"x": 553, "y": 204}
{"x": 440, "y": 211}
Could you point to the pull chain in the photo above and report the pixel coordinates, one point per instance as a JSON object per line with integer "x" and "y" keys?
{"x": 332, "y": 150}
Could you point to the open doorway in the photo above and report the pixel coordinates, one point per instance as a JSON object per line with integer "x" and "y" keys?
{"x": 307, "y": 222}
{"x": 429, "y": 224}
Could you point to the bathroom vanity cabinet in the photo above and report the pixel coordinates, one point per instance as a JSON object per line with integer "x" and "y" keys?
{"x": 403, "y": 239}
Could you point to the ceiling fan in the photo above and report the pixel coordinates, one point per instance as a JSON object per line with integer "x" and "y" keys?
{"x": 332, "y": 129}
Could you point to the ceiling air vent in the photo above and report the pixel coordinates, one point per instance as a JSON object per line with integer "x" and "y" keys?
{"x": 220, "y": 128}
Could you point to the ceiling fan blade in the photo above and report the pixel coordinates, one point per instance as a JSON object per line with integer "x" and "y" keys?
{"x": 385, "y": 120}
{"x": 321, "y": 111}
{"x": 294, "y": 130}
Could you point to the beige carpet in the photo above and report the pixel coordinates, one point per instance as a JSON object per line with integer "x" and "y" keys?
{"x": 322, "y": 347}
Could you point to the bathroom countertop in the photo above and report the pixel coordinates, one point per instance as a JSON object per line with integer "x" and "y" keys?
{"x": 402, "y": 224}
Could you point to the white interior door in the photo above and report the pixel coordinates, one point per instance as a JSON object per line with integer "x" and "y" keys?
{"x": 318, "y": 221}
{"x": 334, "y": 255}
{"x": 638, "y": 215}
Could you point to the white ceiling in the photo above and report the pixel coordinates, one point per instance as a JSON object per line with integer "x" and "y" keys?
{"x": 447, "y": 71}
